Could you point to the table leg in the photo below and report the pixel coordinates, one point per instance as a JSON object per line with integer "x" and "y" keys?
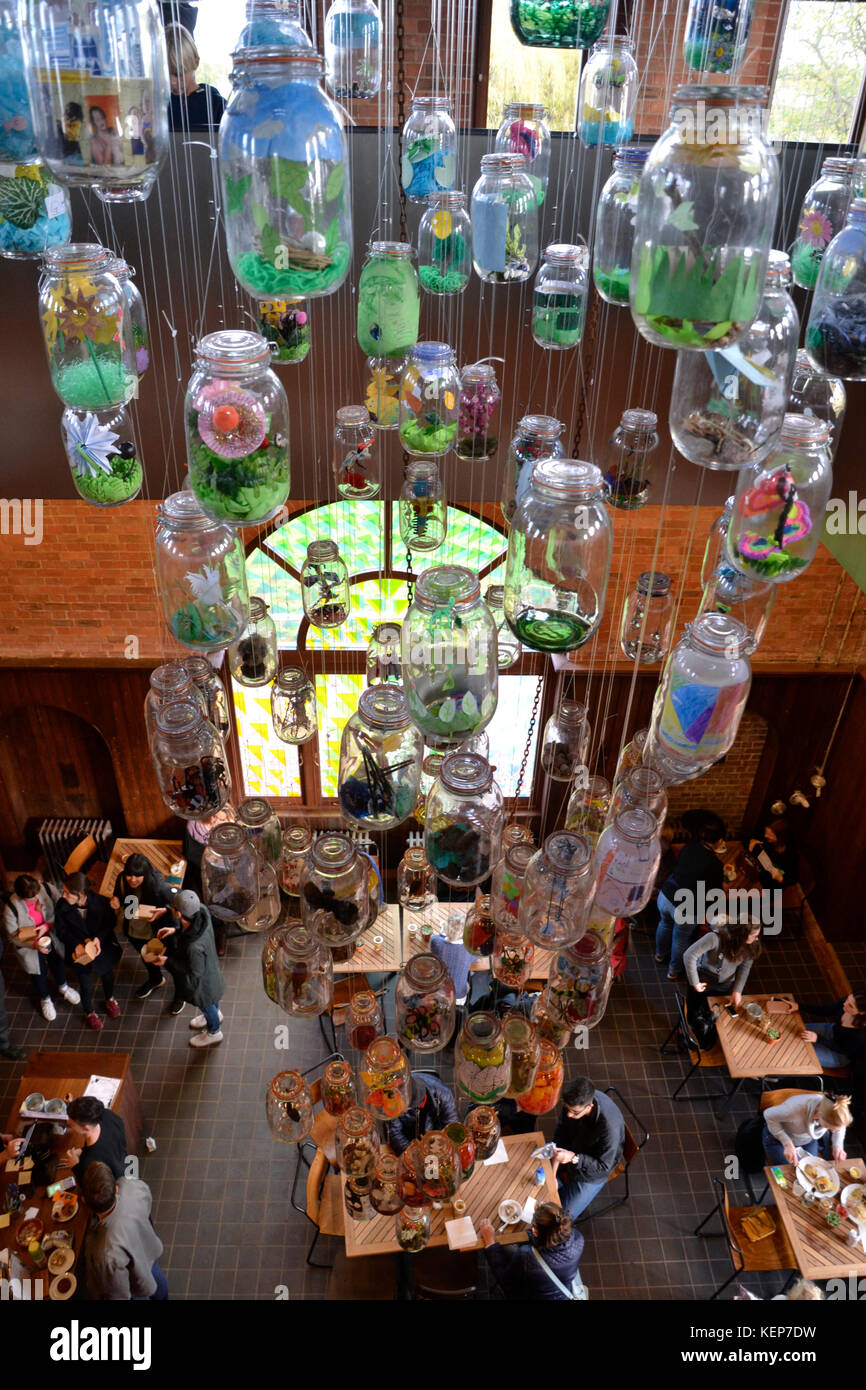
{"x": 734, "y": 1091}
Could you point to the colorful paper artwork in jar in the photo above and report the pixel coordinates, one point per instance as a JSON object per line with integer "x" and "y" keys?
{"x": 525, "y": 1047}
{"x": 441, "y": 1168}
{"x": 338, "y": 1088}
{"x": 546, "y": 1089}
{"x": 536, "y": 437}
{"x": 303, "y": 971}
{"x": 86, "y": 327}
{"x": 353, "y": 462}
{"x": 425, "y": 1005}
{"x": 825, "y": 208}
{"x": 412, "y": 1229}
{"x": 625, "y": 863}
{"x": 416, "y": 882}
{"x": 293, "y": 706}
{"x": 524, "y": 130}
{"x": 836, "y": 331}
{"x": 511, "y": 958}
{"x": 705, "y": 214}
{"x": 557, "y": 891}
{"x": 103, "y": 458}
{"x": 201, "y": 573}
{"x": 356, "y": 1142}
{"x": 35, "y": 212}
{"x": 429, "y": 162}
{"x": 559, "y": 297}
{"x": 587, "y": 808}
{"x": 422, "y": 507}
{"x": 717, "y": 34}
{"x": 263, "y": 828}
{"x": 289, "y": 1107}
{"x": 504, "y": 220}
{"x": 229, "y": 872}
{"x": 559, "y": 23}
{"x": 364, "y": 1021}
{"x": 190, "y": 762}
{"x": 380, "y": 760}
{"x": 450, "y": 671}
{"x": 483, "y": 1125}
{"x": 353, "y": 49}
{"x": 382, "y": 394}
{"x": 386, "y": 1079}
{"x": 325, "y": 585}
{"x": 284, "y": 171}
{"x": 445, "y": 244}
{"x": 479, "y": 928}
{"x": 464, "y": 1143}
{"x": 479, "y": 403}
{"x": 628, "y": 477}
{"x": 463, "y": 825}
{"x": 285, "y": 324}
{"x": 429, "y": 394}
{"x": 565, "y": 743}
{"x": 579, "y": 984}
{"x": 482, "y": 1059}
{"x": 253, "y": 657}
{"x": 297, "y": 842}
{"x": 815, "y": 393}
{"x": 388, "y": 300}
{"x": 641, "y": 786}
{"x": 608, "y": 93}
{"x": 779, "y": 506}
{"x": 614, "y": 225}
{"x": 507, "y": 886}
{"x": 647, "y": 617}
{"x": 17, "y": 141}
{"x": 385, "y": 1195}
{"x": 335, "y": 901}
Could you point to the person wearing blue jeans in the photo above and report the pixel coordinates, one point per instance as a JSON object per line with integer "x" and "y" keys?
{"x": 697, "y": 868}
{"x": 191, "y": 959}
{"x": 589, "y": 1140}
{"x": 120, "y": 1257}
{"x": 809, "y": 1121}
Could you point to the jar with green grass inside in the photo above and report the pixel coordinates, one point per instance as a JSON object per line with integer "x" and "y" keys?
{"x": 614, "y": 225}
{"x": 87, "y": 328}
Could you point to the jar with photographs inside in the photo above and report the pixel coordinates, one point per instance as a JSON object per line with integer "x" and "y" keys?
{"x": 445, "y": 244}
{"x": 482, "y": 1059}
{"x": 425, "y": 1005}
{"x": 524, "y": 130}
{"x": 335, "y": 902}
{"x": 463, "y": 824}
{"x": 190, "y": 762}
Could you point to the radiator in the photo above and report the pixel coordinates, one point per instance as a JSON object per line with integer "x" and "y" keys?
{"x": 58, "y": 838}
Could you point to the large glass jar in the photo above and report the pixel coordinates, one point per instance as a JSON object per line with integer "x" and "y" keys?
{"x": 647, "y": 618}
{"x": 614, "y": 225}
{"x": 445, "y": 244}
{"x": 547, "y": 1025}
{"x": 297, "y": 843}
{"x": 511, "y": 958}
{"x": 168, "y": 684}
{"x": 706, "y": 209}
{"x": 98, "y": 82}
{"x": 536, "y": 437}
{"x": 135, "y": 312}
{"x": 441, "y": 1166}
{"x": 483, "y": 1124}
{"x": 815, "y": 393}
{"x": 504, "y": 220}
{"x": 267, "y": 907}
{"x": 559, "y": 554}
{"x": 422, "y": 506}
{"x": 579, "y": 984}
{"x": 325, "y": 585}
{"x": 700, "y": 699}
{"x": 450, "y": 670}
{"x": 253, "y": 657}
{"x": 284, "y": 170}
{"x": 482, "y": 1059}
{"x": 103, "y": 455}
{"x": 836, "y": 331}
{"x": 353, "y": 463}
{"x": 507, "y": 646}
{"x": 507, "y": 886}
{"x": 559, "y": 296}
{"x": 335, "y": 902}
{"x": 727, "y": 408}
{"x": 557, "y": 891}
{"x": 630, "y": 756}
{"x": 201, "y": 575}
{"x": 263, "y": 828}
{"x": 429, "y": 393}
{"x": 565, "y": 742}
{"x": 587, "y": 808}
{"x": 628, "y": 477}
{"x": 357, "y": 1143}
{"x": 416, "y": 882}
{"x": 641, "y": 786}
{"x": 289, "y": 1107}
{"x": 364, "y": 1020}
{"x": 285, "y": 325}
{"x": 822, "y": 217}
{"x": 608, "y": 93}
{"x": 213, "y": 692}
{"x": 412, "y": 1228}
{"x": 229, "y": 873}
{"x": 385, "y": 1195}
{"x": 293, "y": 706}
{"x": 465, "y": 1145}
{"x": 546, "y": 1089}
{"x": 425, "y": 1004}
{"x": 274, "y": 23}
{"x": 302, "y": 971}
{"x": 17, "y": 140}
{"x": 388, "y": 300}
{"x": 429, "y": 149}
{"x": 86, "y": 328}
{"x": 353, "y": 49}
{"x": 479, "y": 928}
{"x": 524, "y": 130}
{"x": 477, "y": 435}
{"x": 779, "y": 507}
{"x": 625, "y": 863}
{"x": 525, "y": 1047}
{"x": 386, "y": 1079}
{"x": 559, "y": 23}
{"x": 717, "y": 35}
{"x": 35, "y": 212}
{"x": 190, "y": 761}
{"x": 463, "y": 825}
{"x": 380, "y": 760}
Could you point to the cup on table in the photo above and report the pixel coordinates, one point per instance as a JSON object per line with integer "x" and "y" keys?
{"x": 35, "y": 1101}
{"x": 458, "y": 1206}
{"x": 509, "y": 1212}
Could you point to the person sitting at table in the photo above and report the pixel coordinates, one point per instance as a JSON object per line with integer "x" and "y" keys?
{"x": 841, "y": 1040}
{"x": 137, "y": 885}
{"x": 191, "y": 959}
{"x": 784, "y": 859}
{"x": 84, "y": 917}
{"x": 810, "y": 1121}
{"x": 448, "y": 947}
{"x": 433, "y": 1107}
{"x": 697, "y": 863}
{"x": 28, "y": 918}
{"x": 589, "y": 1139}
{"x": 97, "y": 1135}
{"x": 719, "y": 963}
{"x": 546, "y": 1266}
{"x": 121, "y": 1248}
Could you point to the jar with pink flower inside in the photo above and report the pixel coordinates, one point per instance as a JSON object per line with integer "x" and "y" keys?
{"x": 477, "y": 432}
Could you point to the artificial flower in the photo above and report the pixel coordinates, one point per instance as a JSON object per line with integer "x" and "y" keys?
{"x": 231, "y": 421}
{"x": 205, "y": 585}
{"x": 815, "y": 228}
{"x": 88, "y": 443}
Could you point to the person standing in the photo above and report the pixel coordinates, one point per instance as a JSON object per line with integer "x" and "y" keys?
{"x": 194, "y": 105}
{"x": 84, "y": 919}
{"x": 589, "y": 1141}
{"x": 697, "y": 865}
{"x": 121, "y": 1248}
{"x": 28, "y": 918}
{"x": 99, "y": 1136}
{"x": 140, "y": 885}
{"x": 191, "y": 959}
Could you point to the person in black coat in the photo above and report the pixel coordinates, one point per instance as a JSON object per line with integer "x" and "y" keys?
{"x": 778, "y": 848}
{"x": 139, "y": 885}
{"x": 840, "y": 1039}
{"x": 82, "y": 917}
{"x": 589, "y": 1139}
{"x": 697, "y": 863}
{"x": 191, "y": 959}
{"x": 98, "y": 1136}
{"x": 554, "y": 1247}
{"x": 433, "y": 1107}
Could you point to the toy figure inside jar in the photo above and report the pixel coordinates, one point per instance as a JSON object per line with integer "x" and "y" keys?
{"x": 511, "y": 958}
{"x": 289, "y": 1107}
{"x": 386, "y": 1079}
{"x": 303, "y": 972}
{"x": 463, "y": 824}
{"x": 385, "y": 1195}
{"x": 416, "y": 882}
{"x": 357, "y": 1143}
{"x": 425, "y": 1004}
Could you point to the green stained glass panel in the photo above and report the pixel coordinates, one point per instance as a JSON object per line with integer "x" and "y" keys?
{"x": 355, "y": 526}
{"x": 337, "y": 699}
{"x": 469, "y": 542}
{"x": 371, "y": 601}
{"x": 270, "y": 767}
{"x": 280, "y": 592}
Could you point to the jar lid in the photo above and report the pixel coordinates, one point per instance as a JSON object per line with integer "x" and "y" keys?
{"x": 432, "y": 764}
{"x": 415, "y": 856}
{"x": 322, "y": 550}
{"x": 857, "y": 208}
{"x": 453, "y": 198}
{"x": 391, "y": 248}
{"x": 178, "y": 717}
{"x": 184, "y": 512}
{"x": 566, "y": 251}
{"x": 544, "y": 426}
{"x": 300, "y": 942}
{"x": 198, "y": 668}
{"x": 717, "y": 95}
{"x": 433, "y": 352}
{"x": 364, "y": 1002}
{"x": 385, "y": 1054}
{"x": 838, "y": 164}
{"x": 503, "y": 163}
{"x": 478, "y": 371}
{"x": 635, "y": 823}
{"x": 287, "y": 1085}
{"x": 77, "y": 254}
{"x": 291, "y": 679}
{"x": 598, "y": 788}
{"x": 255, "y": 811}
{"x": 550, "y": 1057}
{"x": 778, "y": 270}
{"x": 572, "y": 712}
{"x": 353, "y": 415}
{"x": 332, "y": 852}
{"x": 119, "y": 269}
{"x": 355, "y": 1120}
{"x": 519, "y": 1031}
{"x": 524, "y": 110}
{"x": 426, "y": 972}
{"x": 588, "y": 950}
{"x": 286, "y": 53}
{"x": 233, "y": 347}
{"x": 386, "y": 632}
{"x": 644, "y": 781}
{"x": 612, "y": 41}
{"x": 442, "y": 585}
{"x": 641, "y": 423}
{"x": 170, "y": 678}
{"x": 657, "y": 585}
{"x": 228, "y": 836}
{"x": 297, "y": 839}
{"x": 632, "y": 154}
{"x": 338, "y": 1072}
{"x": 422, "y": 468}
{"x": 483, "y": 1027}
{"x": 466, "y": 772}
{"x": 800, "y": 431}
{"x": 567, "y": 852}
{"x": 720, "y": 634}
{"x": 258, "y": 609}
{"x": 570, "y": 477}
{"x": 384, "y": 706}
{"x": 518, "y": 855}
{"x": 494, "y": 595}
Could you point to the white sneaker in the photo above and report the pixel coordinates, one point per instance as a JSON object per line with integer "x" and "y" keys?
{"x": 201, "y": 1022}
{"x": 205, "y": 1039}
{"x": 70, "y": 995}
{"x": 49, "y": 1013}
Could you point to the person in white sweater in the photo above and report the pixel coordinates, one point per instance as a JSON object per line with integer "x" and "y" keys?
{"x": 811, "y": 1122}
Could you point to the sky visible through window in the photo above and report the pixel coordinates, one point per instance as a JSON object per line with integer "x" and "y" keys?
{"x": 820, "y": 71}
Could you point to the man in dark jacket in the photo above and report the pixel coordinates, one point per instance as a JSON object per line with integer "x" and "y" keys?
{"x": 191, "y": 959}
{"x": 82, "y": 919}
{"x": 99, "y": 1134}
{"x": 433, "y": 1107}
{"x": 697, "y": 863}
{"x": 552, "y": 1254}
{"x": 589, "y": 1140}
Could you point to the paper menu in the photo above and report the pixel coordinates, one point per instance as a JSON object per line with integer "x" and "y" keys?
{"x": 499, "y": 1155}
{"x": 105, "y": 1088}
{"x": 461, "y": 1233}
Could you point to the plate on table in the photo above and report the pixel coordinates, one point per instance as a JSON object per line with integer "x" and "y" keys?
{"x": 815, "y": 1174}
{"x": 62, "y": 1287}
{"x": 65, "y": 1206}
{"x": 29, "y": 1230}
{"x": 56, "y": 1240}
{"x": 853, "y": 1199}
{"x": 61, "y": 1260}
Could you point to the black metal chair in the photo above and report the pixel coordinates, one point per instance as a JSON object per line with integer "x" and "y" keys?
{"x": 687, "y": 1042}
{"x": 631, "y": 1149}
{"x": 747, "y": 1257}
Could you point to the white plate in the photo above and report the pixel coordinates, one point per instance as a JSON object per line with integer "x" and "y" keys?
{"x": 846, "y": 1191}
{"x": 809, "y": 1161}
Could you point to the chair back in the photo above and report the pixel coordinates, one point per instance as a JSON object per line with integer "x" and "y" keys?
{"x": 736, "y": 1254}
{"x": 315, "y": 1182}
{"x": 84, "y": 850}
{"x": 771, "y": 1098}
{"x": 630, "y": 1148}
{"x": 688, "y": 1036}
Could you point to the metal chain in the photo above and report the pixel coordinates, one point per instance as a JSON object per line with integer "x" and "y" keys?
{"x": 532, "y": 722}
{"x": 588, "y": 355}
{"x": 401, "y": 114}
{"x": 410, "y": 575}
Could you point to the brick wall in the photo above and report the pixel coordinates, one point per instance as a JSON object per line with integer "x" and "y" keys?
{"x": 727, "y": 786}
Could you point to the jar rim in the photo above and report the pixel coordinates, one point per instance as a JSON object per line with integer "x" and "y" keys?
{"x": 536, "y": 110}
{"x": 258, "y": 608}
{"x": 291, "y": 677}
{"x": 391, "y": 248}
{"x": 286, "y": 1085}
{"x": 639, "y": 421}
{"x": 636, "y": 823}
{"x": 714, "y": 94}
{"x": 184, "y": 511}
{"x": 364, "y": 1001}
{"x": 639, "y": 777}
{"x": 499, "y": 163}
{"x": 543, "y": 425}
{"x": 719, "y": 633}
{"x": 197, "y": 667}
{"x": 436, "y": 103}
{"x": 565, "y": 251}
{"x": 479, "y": 371}
{"x": 83, "y": 253}
{"x": 255, "y": 810}
{"x": 430, "y": 351}
{"x": 173, "y": 675}
{"x": 452, "y": 197}
{"x": 566, "y": 851}
{"x": 299, "y": 941}
{"x": 297, "y": 832}
{"x": 353, "y": 415}
{"x": 653, "y": 583}
{"x": 425, "y": 971}
{"x": 778, "y": 268}
{"x": 572, "y": 712}
{"x": 519, "y": 1031}
{"x": 339, "y": 1068}
{"x": 589, "y": 949}
{"x": 387, "y": 631}
{"x": 483, "y": 1027}
{"x": 518, "y": 855}
{"x": 177, "y": 717}
{"x": 322, "y": 549}
{"x": 228, "y": 835}
{"x": 384, "y": 706}
{"x": 839, "y": 164}
{"x": 285, "y": 53}
{"x": 384, "y": 1054}
{"x": 466, "y": 772}
{"x": 635, "y": 154}
{"x": 571, "y": 477}
{"x": 233, "y": 347}
{"x": 332, "y": 851}
{"x": 442, "y": 584}
{"x": 802, "y": 430}
{"x": 119, "y": 269}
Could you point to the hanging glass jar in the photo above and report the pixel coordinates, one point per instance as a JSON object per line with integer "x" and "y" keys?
{"x": 263, "y": 828}
{"x": 385, "y": 1195}
{"x": 441, "y": 1168}
{"x": 525, "y": 1048}
{"x": 274, "y": 24}
{"x": 190, "y": 761}
{"x": 229, "y": 873}
{"x": 285, "y": 326}
{"x": 380, "y": 760}
{"x": 17, "y": 140}
{"x": 547, "y": 1087}
{"x": 631, "y": 756}
{"x": 559, "y": 296}
{"x": 628, "y": 478}
{"x": 779, "y": 507}
{"x": 364, "y": 1020}
{"x": 168, "y": 684}
{"x": 135, "y": 312}
{"x": 201, "y": 575}
{"x": 479, "y": 403}
{"x": 565, "y": 743}
{"x": 386, "y": 1080}
{"x": 416, "y": 882}
{"x": 717, "y": 35}
{"x": 429, "y": 392}
{"x": 325, "y": 585}
{"x": 284, "y": 171}
{"x": 625, "y": 863}
{"x": 822, "y": 217}
{"x": 353, "y": 462}
{"x": 482, "y": 1059}
{"x": 507, "y": 886}
{"x": 450, "y": 670}
{"x": 641, "y": 786}
{"x": 559, "y": 23}
{"x": 524, "y": 130}
{"x": 608, "y": 93}
{"x": 700, "y": 700}
{"x": 463, "y": 825}
{"x": 727, "y": 407}
{"x": 425, "y": 1005}
{"x": 356, "y": 1142}
{"x": 836, "y": 331}
{"x": 697, "y": 276}
{"x": 289, "y": 1107}
{"x": 614, "y": 225}
{"x": 335, "y": 902}
{"x": 647, "y": 618}
{"x": 429, "y": 163}
{"x": 579, "y": 984}
{"x": 213, "y": 692}
{"x": 388, "y": 300}
{"x": 588, "y": 807}
{"x": 430, "y": 769}
{"x": 253, "y": 656}
{"x": 86, "y": 328}
{"x": 814, "y": 393}
{"x": 35, "y": 212}
{"x": 382, "y": 394}
{"x": 750, "y": 601}
{"x": 558, "y": 560}
{"x": 302, "y": 971}
{"x": 479, "y": 928}
{"x": 504, "y": 220}
{"x": 267, "y": 907}
{"x": 297, "y": 842}
{"x": 511, "y": 958}
{"x": 547, "y": 1025}
{"x": 537, "y": 437}
{"x": 102, "y": 454}
{"x": 353, "y": 49}
{"x": 445, "y": 244}
{"x": 507, "y": 646}
{"x": 293, "y": 706}
{"x": 484, "y": 1128}
{"x": 557, "y": 891}
{"x": 422, "y": 506}
{"x": 412, "y": 1228}
{"x": 465, "y": 1145}
{"x": 383, "y": 655}
{"x": 98, "y": 82}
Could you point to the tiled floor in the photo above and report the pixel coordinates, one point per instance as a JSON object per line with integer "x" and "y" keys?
{"x": 221, "y": 1184}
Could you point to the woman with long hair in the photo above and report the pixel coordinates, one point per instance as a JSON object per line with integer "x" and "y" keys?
{"x": 140, "y": 886}
{"x": 811, "y": 1122}
{"x": 840, "y": 1041}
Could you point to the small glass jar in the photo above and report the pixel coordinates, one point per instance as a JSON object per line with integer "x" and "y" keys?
{"x": 267, "y": 907}
{"x": 385, "y": 1195}
{"x": 836, "y": 331}
{"x": 508, "y": 649}
{"x": 445, "y": 244}
{"x": 302, "y": 971}
{"x": 285, "y": 326}
{"x": 557, "y": 891}
{"x": 504, "y": 220}
{"x": 383, "y": 655}
{"x": 35, "y": 213}
{"x": 429, "y": 394}
{"x": 717, "y": 36}
{"x": 525, "y": 1047}
{"x": 412, "y": 1228}
{"x": 815, "y": 393}
{"x": 17, "y": 140}
{"x": 294, "y": 714}
{"x": 547, "y": 1087}
{"x": 168, "y": 684}
{"x": 253, "y": 657}
{"x": 386, "y": 1079}
{"x": 389, "y": 301}
{"x": 429, "y": 149}
{"x": 356, "y": 1199}
{"x": 213, "y": 692}
{"x": 382, "y": 393}
{"x": 87, "y": 328}
{"x": 364, "y": 1020}
{"x": 289, "y": 1107}
{"x": 547, "y": 1025}
{"x": 450, "y": 670}
{"x": 641, "y": 786}
{"x": 630, "y": 756}
{"x": 201, "y": 575}
{"x": 823, "y": 214}
{"x": 483, "y": 1125}
{"x": 750, "y": 601}
{"x": 274, "y": 23}
{"x": 325, "y": 585}
{"x": 135, "y": 312}
{"x": 587, "y": 808}
{"x": 614, "y": 225}
{"x": 565, "y": 743}
{"x": 441, "y": 1167}
{"x": 559, "y": 296}
{"x": 237, "y": 429}
{"x": 482, "y": 1059}
{"x": 338, "y": 1088}
{"x": 608, "y": 93}
{"x": 416, "y": 882}
{"x": 425, "y": 1005}
{"x": 625, "y": 862}
{"x": 479, "y": 404}
{"x": 353, "y": 49}
{"x": 479, "y": 928}
{"x": 779, "y": 507}
{"x": 263, "y": 828}
{"x": 357, "y": 1143}
{"x": 537, "y": 437}
{"x": 297, "y": 843}
{"x": 463, "y": 825}
{"x": 422, "y": 507}
{"x": 190, "y": 761}
{"x": 579, "y": 984}
{"x": 524, "y": 130}
{"x": 559, "y": 23}
{"x": 559, "y": 553}
{"x": 511, "y": 958}
{"x": 507, "y": 886}
{"x": 647, "y": 619}
{"x": 465, "y": 1145}
{"x": 335, "y": 899}
{"x": 628, "y": 477}
{"x": 229, "y": 873}
{"x": 354, "y": 453}
{"x": 380, "y": 760}
{"x": 430, "y": 769}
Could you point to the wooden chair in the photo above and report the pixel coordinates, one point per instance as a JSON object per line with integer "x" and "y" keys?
{"x": 630, "y": 1151}
{"x": 747, "y": 1257}
{"x": 323, "y": 1206}
{"x": 84, "y": 850}
{"x": 445, "y": 1275}
{"x": 687, "y": 1042}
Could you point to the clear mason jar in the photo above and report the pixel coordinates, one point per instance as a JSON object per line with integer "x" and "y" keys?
{"x": 559, "y": 296}
{"x": 836, "y": 331}
{"x": 293, "y": 706}
{"x": 477, "y": 435}
{"x": 430, "y": 769}
{"x": 507, "y": 886}
{"x": 524, "y": 130}
{"x": 289, "y": 1107}
{"x": 445, "y": 244}
{"x": 559, "y": 23}
{"x": 429, "y": 163}
{"x": 726, "y": 590}
{"x": 35, "y": 213}
{"x": 98, "y": 83}
{"x": 479, "y": 928}
{"x": 463, "y": 825}
{"x": 465, "y": 1146}
{"x": 274, "y": 24}
{"x": 727, "y": 410}
{"x": 168, "y": 684}
{"x": 267, "y": 907}
{"x": 558, "y": 562}
{"x": 536, "y": 437}
{"x": 354, "y": 453}
{"x": 253, "y": 656}
{"x": 380, "y": 760}
{"x": 630, "y": 756}
{"x": 383, "y": 655}
{"x": 356, "y": 1199}
{"x": 386, "y": 1079}
{"x": 579, "y": 984}
{"x": 389, "y": 303}
{"x": 429, "y": 393}
{"x": 213, "y": 692}
{"x": 511, "y": 958}
{"x": 338, "y": 1088}
{"x": 103, "y": 456}
{"x": 700, "y": 699}
{"x": 482, "y": 1059}
{"x": 641, "y": 786}
{"x": 285, "y": 326}
{"x": 382, "y": 392}
{"x": 425, "y": 1005}
{"x": 229, "y": 873}
{"x": 356, "y": 1142}
{"x": 614, "y": 225}
{"x": 779, "y": 507}
{"x": 822, "y": 217}
{"x": 263, "y": 828}
{"x": 135, "y": 312}
{"x": 608, "y": 93}
{"x": 297, "y": 843}
{"x": 364, "y": 1020}
{"x": 504, "y": 212}
{"x": 422, "y": 507}
{"x": 647, "y": 618}
{"x": 508, "y": 647}
{"x": 335, "y": 898}
{"x": 325, "y": 585}
{"x": 483, "y": 1125}
{"x": 201, "y": 575}
{"x": 717, "y": 35}
{"x": 629, "y": 474}
{"x": 814, "y": 393}
{"x": 557, "y": 892}
{"x": 547, "y": 1086}
{"x": 587, "y": 808}
{"x": 302, "y": 971}
{"x": 385, "y": 1195}
{"x": 565, "y": 742}
{"x": 416, "y": 882}
{"x": 353, "y": 49}
{"x": 284, "y": 169}
{"x": 17, "y": 139}
{"x": 547, "y": 1025}
{"x": 697, "y": 278}
{"x": 450, "y": 670}
{"x": 86, "y": 328}
{"x": 412, "y": 1227}
{"x": 522, "y": 1038}
{"x": 190, "y": 761}
{"x": 625, "y": 863}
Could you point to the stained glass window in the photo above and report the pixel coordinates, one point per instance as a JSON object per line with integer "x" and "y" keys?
{"x": 270, "y": 767}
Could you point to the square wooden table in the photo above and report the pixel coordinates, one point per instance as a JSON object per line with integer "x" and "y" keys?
{"x": 749, "y": 1054}
{"x": 377, "y": 957}
{"x": 482, "y": 1194}
{"x": 820, "y": 1250}
{"x": 161, "y": 853}
{"x": 438, "y": 915}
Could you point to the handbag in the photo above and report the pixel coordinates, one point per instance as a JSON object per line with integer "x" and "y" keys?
{"x": 578, "y": 1291}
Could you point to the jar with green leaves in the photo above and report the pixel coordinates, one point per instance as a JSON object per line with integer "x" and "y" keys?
{"x": 388, "y": 300}
{"x": 614, "y": 225}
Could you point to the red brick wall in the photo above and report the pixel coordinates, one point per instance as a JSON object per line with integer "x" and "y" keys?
{"x": 727, "y": 786}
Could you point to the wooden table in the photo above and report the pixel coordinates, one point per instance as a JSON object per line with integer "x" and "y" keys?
{"x": 820, "y": 1251}
{"x": 743, "y": 874}
{"x": 381, "y": 959}
{"x": 482, "y": 1194}
{"x": 749, "y": 1054}
{"x": 161, "y": 853}
{"x": 438, "y": 916}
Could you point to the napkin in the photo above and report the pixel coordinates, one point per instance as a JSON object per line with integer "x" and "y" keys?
{"x": 528, "y": 1211}
{"x": 460, "y": 1233}
{"x": 499, "y": 1155}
